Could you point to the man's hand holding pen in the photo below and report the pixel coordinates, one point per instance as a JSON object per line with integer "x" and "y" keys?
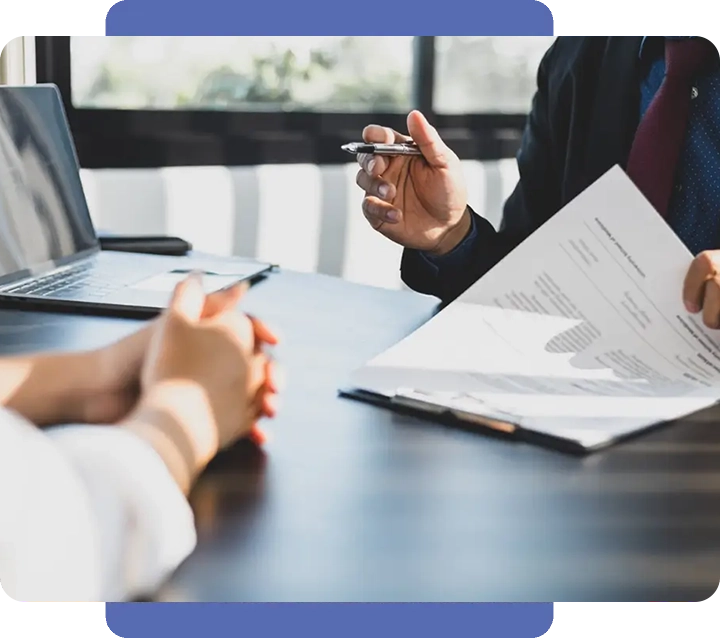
{"x": 417, "y": 201}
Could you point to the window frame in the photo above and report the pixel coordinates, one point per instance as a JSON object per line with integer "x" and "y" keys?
{"x": 123, "y": 138}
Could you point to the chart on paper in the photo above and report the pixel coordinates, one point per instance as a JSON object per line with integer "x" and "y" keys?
{"x": 609, "y": 263}
{"x": 584, "y": 319}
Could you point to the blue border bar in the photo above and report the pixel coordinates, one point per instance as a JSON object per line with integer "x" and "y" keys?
{"x": 337, "y": 620}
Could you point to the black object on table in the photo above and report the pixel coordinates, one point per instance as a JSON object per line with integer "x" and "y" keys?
{"x": 147, "y": 244}
{"x": 349, "y": 502}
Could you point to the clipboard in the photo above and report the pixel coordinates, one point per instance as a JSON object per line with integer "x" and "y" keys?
{"x": 576, "y": 340}
{"x": 494, "y": 426}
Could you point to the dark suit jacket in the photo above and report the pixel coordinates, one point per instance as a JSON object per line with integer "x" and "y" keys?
{"x": 583, "y": 120}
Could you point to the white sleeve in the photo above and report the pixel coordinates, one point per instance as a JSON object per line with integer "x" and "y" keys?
{"x": 87, "y": 513}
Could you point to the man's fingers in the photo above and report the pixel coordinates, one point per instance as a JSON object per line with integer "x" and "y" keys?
{"x": 434, "y": 150}
{"x": 378, "y": 212}
{"x": 711, "y": 304}
{"x": 374, "y": 134}
{"x": 375, "y": 186}
{"x": 188, "y": 299}
{"x": 375, "y": 165}
{"x": 702, "y": 269}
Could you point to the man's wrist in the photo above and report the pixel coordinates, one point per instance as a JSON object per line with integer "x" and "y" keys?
{"x": 455, "y": 235}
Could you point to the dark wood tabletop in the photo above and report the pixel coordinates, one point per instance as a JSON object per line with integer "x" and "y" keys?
{"x": 349, "y": 502}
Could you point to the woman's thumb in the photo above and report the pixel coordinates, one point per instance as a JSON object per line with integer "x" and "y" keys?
{"x": 188, "y": 299}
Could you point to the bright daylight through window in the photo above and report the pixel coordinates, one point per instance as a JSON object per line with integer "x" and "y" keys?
{"x": 479, "y": 74}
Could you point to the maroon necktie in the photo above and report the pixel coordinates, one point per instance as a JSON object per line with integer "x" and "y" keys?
{"x": 659, "y": 138}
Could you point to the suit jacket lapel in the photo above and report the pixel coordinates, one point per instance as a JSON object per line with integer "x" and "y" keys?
{"x": 616, "y": 108}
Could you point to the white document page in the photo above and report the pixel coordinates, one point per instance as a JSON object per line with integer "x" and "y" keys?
{"x": 580, "y": 332}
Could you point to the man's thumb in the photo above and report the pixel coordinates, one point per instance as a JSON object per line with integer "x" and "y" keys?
{"x": 188, "y": 298}
{"x": 428, "y": 140}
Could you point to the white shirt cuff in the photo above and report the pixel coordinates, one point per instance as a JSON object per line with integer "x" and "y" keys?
{"x": 145, "y": 525}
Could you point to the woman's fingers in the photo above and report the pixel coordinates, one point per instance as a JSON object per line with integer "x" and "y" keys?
{"x": 257, "y": 436}
{"x": 262, "y": 332}
{"x": 224, "y": 300}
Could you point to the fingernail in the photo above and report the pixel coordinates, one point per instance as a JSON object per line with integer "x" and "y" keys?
{"x": 692, "y": 307}
{"x": 371, "y": 165}
{"x": 383, "y": 190}
{"x": 392, "y": 216}
{"x": 257, "y": 436}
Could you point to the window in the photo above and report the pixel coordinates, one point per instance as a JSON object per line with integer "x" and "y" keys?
{"x": 325, "y": 74}
{"x": 483, "y": 74}
{"x": 177, "y": 101}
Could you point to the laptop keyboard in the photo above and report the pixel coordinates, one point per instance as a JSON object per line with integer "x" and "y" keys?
{"x": 108, "y": 273}
{"x": 85, "y": 279}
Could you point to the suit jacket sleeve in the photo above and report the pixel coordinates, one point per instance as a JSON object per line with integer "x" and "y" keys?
{"x": 535, "y": 199}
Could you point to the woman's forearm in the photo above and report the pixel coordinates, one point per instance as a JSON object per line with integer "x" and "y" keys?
{"x": 176, "y": 420}
{"x": 49, "y": 389}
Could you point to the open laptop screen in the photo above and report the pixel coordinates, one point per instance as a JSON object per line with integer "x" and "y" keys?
{"x": 44, "y": 216}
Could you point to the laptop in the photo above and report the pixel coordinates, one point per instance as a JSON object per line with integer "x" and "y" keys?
{"x": 50, "y": 253}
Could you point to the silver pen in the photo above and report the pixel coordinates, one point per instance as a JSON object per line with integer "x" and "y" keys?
{"x": 357, "y": 148}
